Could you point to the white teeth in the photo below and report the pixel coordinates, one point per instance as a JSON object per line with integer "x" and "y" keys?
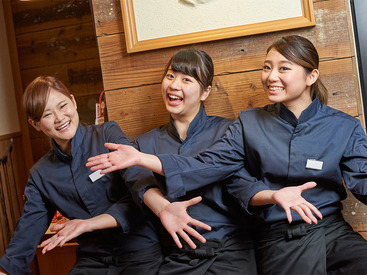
{"x": 174, "y": 97}
{"x": 275, "y": 88}
{"x": 62, "y": 127}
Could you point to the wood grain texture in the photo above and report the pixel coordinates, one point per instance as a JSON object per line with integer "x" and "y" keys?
{"x": 81, "y": 77}
{"x": 121, "y": 70}
{"x": 107, "y": 17}
{"x": 58, "y": 38}
{"x": 57, "y": 46}
{"x": 31, "y": 16}
{"x": 140, "y": 109}
{"x": 12, "y": 182}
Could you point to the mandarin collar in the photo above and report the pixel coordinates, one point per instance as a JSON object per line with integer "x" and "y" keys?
{"x": 76, "y": 141}
{"x": 195, "y": 125}
{"x": 306, "y": 114}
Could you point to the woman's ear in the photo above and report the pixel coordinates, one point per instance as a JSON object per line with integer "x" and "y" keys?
{"x": 73, "y": 100}
{"x": 206, "y": 93}
{"x": 312, "y": 77}
{"x": 34, "y": 124}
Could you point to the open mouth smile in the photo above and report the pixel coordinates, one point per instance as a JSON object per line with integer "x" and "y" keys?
{"x": 63, "y": 126}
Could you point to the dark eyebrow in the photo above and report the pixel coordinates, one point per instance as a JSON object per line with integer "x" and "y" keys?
{"x": 281, "y": 62}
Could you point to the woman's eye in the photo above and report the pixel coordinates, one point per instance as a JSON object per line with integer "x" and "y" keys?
{"x": 46, "y": 115}
{"x": 63, "y": 105}
{"x": 266, "y": 67}
{"x": 169, "y": 76}
{"x": 284, "y": 68}
{"x": 187, "y": 79}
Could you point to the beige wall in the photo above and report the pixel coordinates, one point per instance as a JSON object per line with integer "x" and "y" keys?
{"x": 9, "y": 122}
{"x": 168, "y": 18}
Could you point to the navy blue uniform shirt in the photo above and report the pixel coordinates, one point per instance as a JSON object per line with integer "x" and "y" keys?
{"x": 324, "y": 145}
{"x": 217, "y": 209}
{"x": 61, "y": 182}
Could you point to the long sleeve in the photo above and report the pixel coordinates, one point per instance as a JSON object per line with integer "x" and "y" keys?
{"x": 124, "y": 210}
{"x": 218, "y": 209}
{"x": 242, "y": 186}
{"x": 139, "y": 180}
{"x": 220, "y": 161}
{"x": 32, "y": 225}
{"x": 354, "y": 164}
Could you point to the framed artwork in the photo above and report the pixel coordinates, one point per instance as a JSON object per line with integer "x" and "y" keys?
{"x": 158, "y": 24}
{"x": 359, "y": 8}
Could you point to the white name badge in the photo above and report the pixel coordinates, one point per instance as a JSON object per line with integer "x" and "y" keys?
{"x": 96, "y": 175}
{"x": 314, "y": 164}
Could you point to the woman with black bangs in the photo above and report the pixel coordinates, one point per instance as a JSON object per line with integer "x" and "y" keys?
{"x": 228, "y": 247}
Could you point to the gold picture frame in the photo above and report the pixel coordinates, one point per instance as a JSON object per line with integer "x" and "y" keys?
{"x": 133, "y": 44}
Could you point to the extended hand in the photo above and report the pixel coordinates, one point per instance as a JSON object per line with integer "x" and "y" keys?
{"x": 124, "y": 156}
{"x": 176, "y": 221}
{"x": 65, "y": 232}
{"x": 290, "y": 198}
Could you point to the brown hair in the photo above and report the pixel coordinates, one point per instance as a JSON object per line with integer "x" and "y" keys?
{"x": 195, "y": 63}
{"x": 36, "y": 95}
{"x": 301, "y": 51}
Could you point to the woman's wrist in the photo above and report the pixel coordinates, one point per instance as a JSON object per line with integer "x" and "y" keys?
{"x": 263, "y": 198}
{"x": 154, "y": 199}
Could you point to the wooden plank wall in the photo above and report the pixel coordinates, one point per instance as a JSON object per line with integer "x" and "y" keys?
{"x": 12, "y": 180}
{"x": 131, "y": 81}
{"x": 58, "y": 38}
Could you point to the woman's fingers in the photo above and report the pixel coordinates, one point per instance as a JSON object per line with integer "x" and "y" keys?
{"x": 195, "y": 234}
{"x": 51, "y": 243}
{"x": 187, "y": 239}
{"x": 176, "y": 239}
{"x": 308, "y": 212}
{"x": 314, "y": 209}
{"x": 307, "y": 185}
{"x": 200, "y": 224}
{"x": 300, "y": 212}
{"x": 289, "y": 214}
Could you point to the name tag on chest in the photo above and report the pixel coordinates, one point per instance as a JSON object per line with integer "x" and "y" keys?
{"x": 96, "y": 175}
{"x": 314, "y": 164}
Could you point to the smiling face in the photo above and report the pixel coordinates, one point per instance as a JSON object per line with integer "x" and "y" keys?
{"x": 182, "y": 95}
{"x": 286, "y": 82}
{"x": 186, "y": 83}
{"x": 59, "y": 120}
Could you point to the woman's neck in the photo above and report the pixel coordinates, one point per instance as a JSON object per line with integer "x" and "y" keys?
{"x": 182, "y": 125}
{"x": 65, "y": 147}
{"x": 297, "y": 107}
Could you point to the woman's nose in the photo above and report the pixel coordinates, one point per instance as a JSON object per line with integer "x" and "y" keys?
{"x": 58, "y": 116}
{"x": 273, "y": 75}
{"x": 175, "y": 84}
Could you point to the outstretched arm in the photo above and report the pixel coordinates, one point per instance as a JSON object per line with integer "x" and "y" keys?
{"x": 289, "y": 198}
{"x": 174, "y": 217}
{"x": 123, "y": 156}
{"x": 73, "y": 228}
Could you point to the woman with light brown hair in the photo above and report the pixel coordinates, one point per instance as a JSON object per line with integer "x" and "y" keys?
{"x": 92, "y": 202}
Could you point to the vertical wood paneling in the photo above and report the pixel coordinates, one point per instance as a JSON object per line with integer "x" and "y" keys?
{"x": 12, "y": 181}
